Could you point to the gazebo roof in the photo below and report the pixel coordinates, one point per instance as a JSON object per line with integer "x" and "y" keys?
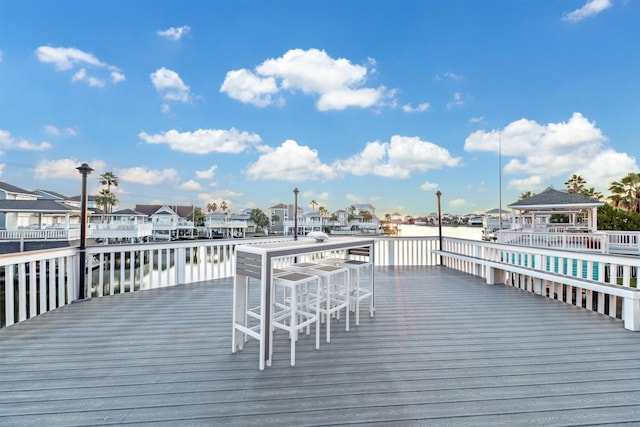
{"x": 551, "y": 199}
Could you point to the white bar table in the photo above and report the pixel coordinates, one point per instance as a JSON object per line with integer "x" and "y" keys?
{"x": 256, "y": 261}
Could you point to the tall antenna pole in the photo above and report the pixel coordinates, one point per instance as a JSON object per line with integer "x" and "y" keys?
{"x": 500, "y": 179}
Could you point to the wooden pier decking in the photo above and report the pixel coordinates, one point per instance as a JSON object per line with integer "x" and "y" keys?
{"x": 443, "y": 349}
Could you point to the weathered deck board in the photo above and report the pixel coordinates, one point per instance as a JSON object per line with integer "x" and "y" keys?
{"x": 443, "y": 349}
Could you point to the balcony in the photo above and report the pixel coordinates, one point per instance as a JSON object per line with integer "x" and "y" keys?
{"x": 443, "y": 348}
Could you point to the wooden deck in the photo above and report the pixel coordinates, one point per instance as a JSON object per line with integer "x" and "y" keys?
{"x": 443, "y": 349}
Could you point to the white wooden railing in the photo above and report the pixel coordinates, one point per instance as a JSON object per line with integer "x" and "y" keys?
{"x": 40, "y": 234}
{"x": 614, "y": 242}
{"x": 592, "y": 242}
{"x": 36, "y": 282}
{"x": 593, "y": 281}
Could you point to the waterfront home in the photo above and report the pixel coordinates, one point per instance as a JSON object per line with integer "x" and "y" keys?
{"x": 277, "y": 215}
{"x": 169, "y": 222}
{"x": 125, "y": 225}
{"x": 222, "y": 225}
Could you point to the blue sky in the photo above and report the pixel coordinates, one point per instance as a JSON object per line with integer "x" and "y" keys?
{"x": 381, "y": 102}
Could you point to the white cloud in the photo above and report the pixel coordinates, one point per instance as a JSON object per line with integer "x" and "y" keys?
{"x": 457, "y": 101}
{"x": 144, "y": 176}
{"x": 248, "y": 88}
{"x": 117, "y": 76}
{"x": 64, "y": 168}
{"x": 170, "y": 85}
{"x": 1, "y": 55}
{"x": 476, "y": 119}
{"x": 81, "y": 76}
{"x": 457, "y": 203}
{"x": 207, "y": 174}
{"x": 337, "y": 82}
{"x": 10, "y": 143}
{"x": 2, "y": 166}
{"x": 289, "y": 162}
{"x": 397, "y": 158}
{"x": 67, "y": 58}
{"x": 56, "y": 131}
{"x": 175, "y": 33}
{"x": 204, "y": 141}
{"x": 52, "y": 130}
{"x": 407, "y": 108}
{"x": 449, "y": 75}
{"x": 428, "y": 186}
{"x": 531, "y": 183}
{"x": 591, "y": 8}
{"x": 554, "y": 150}
{"x": 190, "y": 185}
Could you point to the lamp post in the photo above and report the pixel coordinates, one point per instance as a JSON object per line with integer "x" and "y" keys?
{"x": 438, "y": 194}
{"x": 295, "y": 213}
{"x": 84, "y": 170}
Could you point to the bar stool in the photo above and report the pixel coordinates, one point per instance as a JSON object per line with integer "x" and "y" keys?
{"x": 358, "y": 292}
{"x": 333, "y": 293}
{"x": 254, "y": 312}
{"x": 295, "y": 311}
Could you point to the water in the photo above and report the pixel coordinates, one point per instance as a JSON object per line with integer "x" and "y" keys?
{"x": 460, "y": 232}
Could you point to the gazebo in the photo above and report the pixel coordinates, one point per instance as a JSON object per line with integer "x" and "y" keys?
{"x": 535, "y": 213}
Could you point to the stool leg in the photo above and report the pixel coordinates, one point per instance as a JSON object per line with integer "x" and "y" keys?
{"x": 293, "y": 324}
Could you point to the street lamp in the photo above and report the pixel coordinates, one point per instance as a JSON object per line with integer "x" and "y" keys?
{"x": 84, "y": 170}
{"x": 438, "y": 194}
{"x": 295, "y": 214}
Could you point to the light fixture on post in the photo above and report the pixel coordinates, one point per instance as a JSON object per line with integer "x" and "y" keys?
{"x": 295, "y": 213}
{"x": 84, "y": 170}
{"x": 438, "y": 194}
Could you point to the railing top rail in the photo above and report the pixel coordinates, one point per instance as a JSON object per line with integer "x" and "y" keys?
{"x": 13, "y": 258}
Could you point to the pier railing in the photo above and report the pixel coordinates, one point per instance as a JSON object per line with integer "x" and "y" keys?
{"x": 593, "y": 281}
{"x": 33, "y": 283}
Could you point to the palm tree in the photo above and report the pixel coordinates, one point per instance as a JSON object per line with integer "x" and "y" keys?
{"x": 626, "y": 192}
{"x": 224, "y": 206}
{"x": 110, "y": 179}
{"x": 366, "y": 215}
{"x": 525, "y": 195}
{"x": 211, "y": 207}
{"x": 575, "y": 184}
{"x": 313, "y": 205}
{"x": 105, "y": 199}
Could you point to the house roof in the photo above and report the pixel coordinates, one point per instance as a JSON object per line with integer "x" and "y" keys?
{"x": 13, "y": 189}
{"x": 279, "y": 206}
{"x": 552, "y": 198}
{"x": 127, "y": 212}
{"x": 181, "y": 211}
{"x": 50, "y": 194}
{"x": 79, "y": 198}
{"x": 46, "y": 206}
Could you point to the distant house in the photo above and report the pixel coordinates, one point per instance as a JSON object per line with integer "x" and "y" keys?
{"x": 283, "y": 212}
{"x": 28, "y": 222}
{"x": 169, "y": 222}
{"x": 219, "y": 224}
{"x": 126, "y": 225}
{"x": 11, "y": 192}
